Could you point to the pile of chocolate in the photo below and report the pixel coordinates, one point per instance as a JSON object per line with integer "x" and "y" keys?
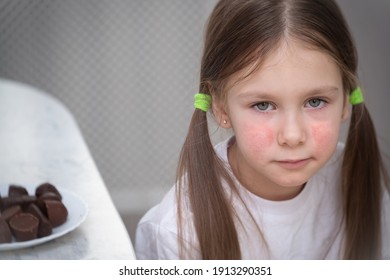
{"x": 27, "y": 217}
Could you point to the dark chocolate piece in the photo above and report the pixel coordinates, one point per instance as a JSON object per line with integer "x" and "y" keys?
{"x": 46, "y": 187}
{"x": 50, "y": 196}
{"x": 45, "y": 228}
{"x": 5, "y": 232}
{"x": 15, "y": 191}
{"x": 46, "y": 196}
{"x": 25, "y": 217}
{"x": 56, "y": 212}
{"x": 23, "y": 201}
{"x": 24, "y": 226}
{"x": 8, "y": 213}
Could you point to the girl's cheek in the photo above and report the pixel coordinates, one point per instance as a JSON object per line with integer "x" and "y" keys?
{"x": 259, "y": 138}
{"x": 325, "y": 136}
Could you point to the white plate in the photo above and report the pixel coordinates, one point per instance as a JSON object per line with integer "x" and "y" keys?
{"x": 77, "y": 212}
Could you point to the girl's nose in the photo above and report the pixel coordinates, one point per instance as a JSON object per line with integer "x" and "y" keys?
{"x": 292, "y": 131}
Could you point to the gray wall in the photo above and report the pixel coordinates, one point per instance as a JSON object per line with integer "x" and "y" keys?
{"x": 369, "y": 22}
{"x": 128, "y": 69}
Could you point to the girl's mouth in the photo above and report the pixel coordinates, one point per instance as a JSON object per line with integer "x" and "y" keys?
{"x": 294, "y": 163}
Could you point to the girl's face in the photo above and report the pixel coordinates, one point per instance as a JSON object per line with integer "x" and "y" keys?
{"x": 286, "y": 118}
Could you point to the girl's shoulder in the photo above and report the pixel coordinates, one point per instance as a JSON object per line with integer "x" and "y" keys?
{"x": 156, "y": 232}
{"x": 221, "y": 149}
{"x": 386, "y": 223}
{"x": 162, "y": 213}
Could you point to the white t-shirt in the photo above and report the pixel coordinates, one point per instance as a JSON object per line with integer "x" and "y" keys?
{"x": 309, "y": 226}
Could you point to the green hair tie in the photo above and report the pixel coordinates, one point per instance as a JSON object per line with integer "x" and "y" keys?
{"x": 202, "y": 101}
{"x": 356, "y": 96}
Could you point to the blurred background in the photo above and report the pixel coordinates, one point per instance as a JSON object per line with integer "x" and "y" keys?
{"x": 128, "y": 70}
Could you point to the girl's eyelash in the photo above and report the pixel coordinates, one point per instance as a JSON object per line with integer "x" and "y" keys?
{"x": 262, "y": 103}
{"x": 323, "y": 102}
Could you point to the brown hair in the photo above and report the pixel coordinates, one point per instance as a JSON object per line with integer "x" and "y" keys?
{"x": 241, "y": 33}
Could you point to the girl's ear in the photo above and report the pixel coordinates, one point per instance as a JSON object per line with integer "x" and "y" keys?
{"x": 220, "y": 113}
{"x": 346, "y": 109}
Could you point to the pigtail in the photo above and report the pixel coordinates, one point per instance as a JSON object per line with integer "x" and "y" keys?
{"x": 201, "y": 171}
{"x": 361, "y": 184}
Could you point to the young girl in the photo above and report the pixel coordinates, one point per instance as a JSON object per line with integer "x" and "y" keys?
{"x": 282, "y": 76}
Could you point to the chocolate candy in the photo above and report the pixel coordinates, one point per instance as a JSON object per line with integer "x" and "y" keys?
{"x": 45, "y": 228}
{"x": 46, "y": 187}
{"x": 23, "y": 201}
{"x": 5, "y": 232}
{"x": 56, "y": 212}
{"x": 27, "y": 217}
{"x": 8, "y": 213}
{"x": 24, "y": 226}
{"x": 14, "y": 191}
{"x": 46, "y": 196}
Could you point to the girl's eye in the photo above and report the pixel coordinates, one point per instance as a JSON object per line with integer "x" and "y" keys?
{"x": 264, "y": 106}
{"x": 315, "y": 103}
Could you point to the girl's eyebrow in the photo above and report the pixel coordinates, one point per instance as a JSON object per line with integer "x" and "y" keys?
{"x": 324, "y": 90}
{"x": 266, "y": 95}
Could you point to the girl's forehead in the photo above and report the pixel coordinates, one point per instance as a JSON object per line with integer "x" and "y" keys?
{"x": 292, "y": 63}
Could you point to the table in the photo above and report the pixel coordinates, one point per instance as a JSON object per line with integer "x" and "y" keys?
{"x": 41, "y": 142}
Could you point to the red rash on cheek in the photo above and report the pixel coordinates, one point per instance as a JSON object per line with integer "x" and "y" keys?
{"x": 258, "y": 137}
{"x": 324, "y": 136}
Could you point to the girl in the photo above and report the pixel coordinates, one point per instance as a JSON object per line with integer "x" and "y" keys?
{"x": 281, "y": 75}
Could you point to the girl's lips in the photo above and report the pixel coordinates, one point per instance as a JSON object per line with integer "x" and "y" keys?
{"x": 293, "y": 164}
